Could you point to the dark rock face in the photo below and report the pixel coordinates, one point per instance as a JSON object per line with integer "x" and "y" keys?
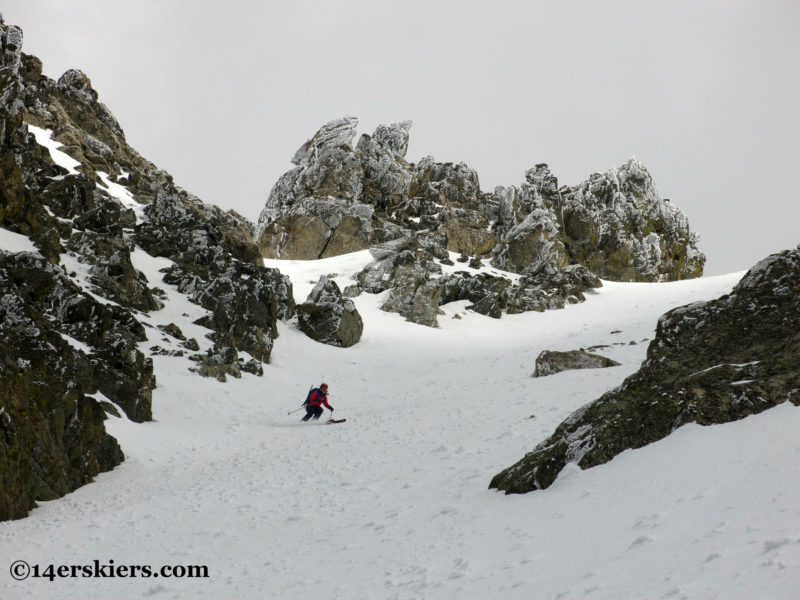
{"x": 215, "y": 258}
{"x": 492, "y": 295}
{"x": 181, "y": 227}
{"x": 71, "y": 316}
{"x": 710, "y": 362}
{"x": 328, "y": 317}
{"x": 112, "y": 272}
{"x": 53, "y": 439}
{"x": 550, "y": 362}
{"x": 489, "y": 294}
{"x": 120, "y": 370}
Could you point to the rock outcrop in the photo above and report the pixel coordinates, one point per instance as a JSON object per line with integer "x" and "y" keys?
{"x": 89, "y": 202}
{"x": 409, "y": 271}
{"x": 550, "y": 362}
{"x": 710, "y": 362}
{"x": 328, "y": 317}
{"x": 341, "y": 198}
{"x": 215, "y": 265}
{"x": 617, "y": 225}
{"x": 52, "y": 438}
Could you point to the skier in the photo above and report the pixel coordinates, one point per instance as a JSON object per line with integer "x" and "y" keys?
{"x": 316, "y": 399}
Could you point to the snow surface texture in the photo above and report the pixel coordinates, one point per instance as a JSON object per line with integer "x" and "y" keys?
{"x": 394, "y": 503}
{"x": 15, "y": 242}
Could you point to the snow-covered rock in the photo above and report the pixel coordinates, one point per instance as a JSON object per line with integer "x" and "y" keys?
{"x": 11, "y": 43}
{"x": 340, "y": 199}
{"x": 334, "y": 134}
{"x": 328, "y": 317}
{"x": 73, "y": 187}
{"x": 617, "y": 225}
{"x": 710, "y": 362}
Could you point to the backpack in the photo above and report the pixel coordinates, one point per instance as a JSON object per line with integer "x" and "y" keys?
{"x": 310, "y": 392}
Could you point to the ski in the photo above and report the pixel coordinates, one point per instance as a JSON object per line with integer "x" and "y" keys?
{"x": 332, "y": 421}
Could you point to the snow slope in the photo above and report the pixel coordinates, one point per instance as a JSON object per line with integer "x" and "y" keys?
{"x": 394, "y": 503}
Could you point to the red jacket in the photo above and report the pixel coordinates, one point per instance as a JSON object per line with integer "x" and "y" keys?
{"x": 318, "y": 398}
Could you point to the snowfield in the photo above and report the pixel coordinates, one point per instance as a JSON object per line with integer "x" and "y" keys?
{"x": 394, "y": 503}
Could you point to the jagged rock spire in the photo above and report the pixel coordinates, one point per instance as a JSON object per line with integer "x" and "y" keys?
{"x": 331, "y": 135}
{"x": 12, "y": 47}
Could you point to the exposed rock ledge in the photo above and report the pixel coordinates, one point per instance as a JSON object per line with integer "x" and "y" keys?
{"x": 710, "y": 362}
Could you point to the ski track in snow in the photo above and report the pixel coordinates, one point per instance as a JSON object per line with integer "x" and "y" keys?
{"x": 394, "y": 503}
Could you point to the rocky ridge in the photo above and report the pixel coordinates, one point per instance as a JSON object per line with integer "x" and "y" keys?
{"x": 341, "y": 198}
{"x": 74, "y": 316}
{"x": 710, "y": 362}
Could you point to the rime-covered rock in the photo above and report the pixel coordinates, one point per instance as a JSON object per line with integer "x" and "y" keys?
{"x": 332, "y": 135}
{"x": 317, "y": 228}
{"x": 244, "y": 303}
{"x": 616, "y": 224}
{"x": 394, "y": 137}
{"x": 119, "y": 370}
{"x": 111, "y": 271}
{"x": 340, "y": 199}
{"x": 53, "y": 434}
{"x": 52, "y": 437}
{"x": 710, "y": 362}
{"x": 181, "y": 227}
{"x": 386, "y": 175}
{"x": 551, "y": 289}
{"x": 325, "y": 206}
{"x": 407, "y": 268}
{"x": 76, "y": 82}
{"x": 67, "y": 335}
{"x": 488, "y": 293}
{"x": 447, "y": 184}
{"x": 215, "y": 264}
{"x": 410, "y": 268}
{"x": 11, "y": 42}
{"x": 220, "y": 361}
{"x": 328, "y": 317}
{"x": 492, "y": 295}
{"x": 414, "y": 295}
{"x": 550, "y": 362}
{"x": 534, "y": 245}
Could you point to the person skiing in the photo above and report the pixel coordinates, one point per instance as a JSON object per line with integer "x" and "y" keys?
{"x": 316, "y": 399}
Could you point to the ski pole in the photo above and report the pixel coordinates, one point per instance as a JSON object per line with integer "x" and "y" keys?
{"x": 294, "y": 411}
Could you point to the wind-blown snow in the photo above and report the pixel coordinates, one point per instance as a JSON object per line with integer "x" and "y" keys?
{"x": 394, "y": 503}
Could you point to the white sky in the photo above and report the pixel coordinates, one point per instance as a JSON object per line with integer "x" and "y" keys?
{"x": 221, "y": 94}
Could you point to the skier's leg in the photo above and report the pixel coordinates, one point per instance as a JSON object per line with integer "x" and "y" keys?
{"x": 317, "y": 412}
{"x": 309, "y": 413}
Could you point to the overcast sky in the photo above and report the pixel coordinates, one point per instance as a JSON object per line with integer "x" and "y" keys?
{"x": 220, "y": 94}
